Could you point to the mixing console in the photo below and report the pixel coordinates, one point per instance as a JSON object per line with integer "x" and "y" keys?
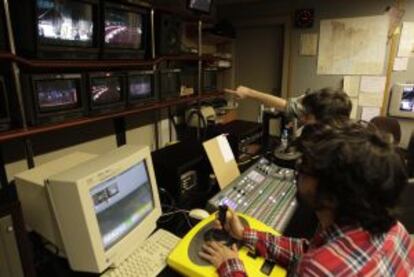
{"x": 265, "y": 191}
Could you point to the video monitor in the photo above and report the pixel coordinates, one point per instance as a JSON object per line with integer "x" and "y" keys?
{"x": 65, "y": 22}
{"x": 57, "y": 94}
{"x": 123, "y": 29}
{"x": 122, "y": 202}
{"x": 203, "y": 6}
{"x": 140, "y": 86}
{"x": 106, "y": 90}
{"x": 407, "y": 100}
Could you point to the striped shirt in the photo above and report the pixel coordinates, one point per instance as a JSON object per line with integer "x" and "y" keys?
{"x": 336, "y": 251}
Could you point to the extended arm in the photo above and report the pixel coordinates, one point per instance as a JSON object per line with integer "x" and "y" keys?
{"x": 242, "y": 92}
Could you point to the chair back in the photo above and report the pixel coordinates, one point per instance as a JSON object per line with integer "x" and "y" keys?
{"x": 389, "y": 126}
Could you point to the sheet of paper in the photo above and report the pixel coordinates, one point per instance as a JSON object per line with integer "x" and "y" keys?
{"x": 308, "y": 44}
{"x": 368, "y": 113}
{"x": 225, "y": 149}
{"x": 354, "y": 112}
{"x": 370, "y": 99}
{"x": 400, "y": 64}
{"x": 351, "y": 85}
{"x": 405, "y": 48}
{"x": 372, "y": 84}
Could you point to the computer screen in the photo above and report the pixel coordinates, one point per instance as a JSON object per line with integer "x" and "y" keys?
{"x": 200, "y": 5}
{"x": 407, "y": 100}
{"x": 105, "y": 207}
{"x": 122, "y": 202}
{"x": 140, "y": 86}
{"x": 401, "y": 102}
{"x": 65, "y": 22}
{"x": 57, "y": 94}
{"x": 170, "y": 83}
{"x": 106, "y": 90}
{"x": 123, "y": 29}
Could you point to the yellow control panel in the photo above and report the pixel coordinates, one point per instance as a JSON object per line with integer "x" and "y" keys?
{"x": 186, "y": 260}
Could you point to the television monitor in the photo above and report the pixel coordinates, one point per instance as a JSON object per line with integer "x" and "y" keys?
{"x": 106, "y": 92}
{"x": 125, "y": 32}
{"x": 55, "y": 29}
{"x": 53, "y": 98}
{"x": 4, "y": 106}
{"x": 104, "y": 207}
{"x": 210, "y": 80}
{"x": 203, "y": 6}
{"x": 142, "y": 87}
{"x": 401, "y": 103}
{"x": 3, "y": 31}
{"x": 170, "y": 83}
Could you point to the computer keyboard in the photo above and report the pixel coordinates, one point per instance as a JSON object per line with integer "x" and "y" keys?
{"x": 149, "y": 259}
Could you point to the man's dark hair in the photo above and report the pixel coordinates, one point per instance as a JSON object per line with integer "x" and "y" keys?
{"x": 359, "y": 173}
{"x": 328, "y": 104}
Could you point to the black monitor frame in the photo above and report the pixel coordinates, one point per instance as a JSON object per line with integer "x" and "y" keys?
{"x": 199, "y": 10}
{"x": 35, "y": 115}
{"x": 154, "y": 86}
{"x": 4, "y": 45}
{"x": 28, "y": 42}
{"x": 4, "y": 106}
{"x": 95, "y": 109}
{"x": 108, "y": 52}
{"x": 168, "y": 93}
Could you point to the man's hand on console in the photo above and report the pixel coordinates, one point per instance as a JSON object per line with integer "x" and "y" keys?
{"x": 217, "y": 253}
{"x": 233, "y": 225}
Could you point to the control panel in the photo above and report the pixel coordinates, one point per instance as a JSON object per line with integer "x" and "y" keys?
{"x": 265, "y": 191}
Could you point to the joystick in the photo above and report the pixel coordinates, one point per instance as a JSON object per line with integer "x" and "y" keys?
{"x": 220, "y": 235}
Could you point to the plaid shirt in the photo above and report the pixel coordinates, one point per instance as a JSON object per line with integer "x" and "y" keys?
{"x": 336, "y": 251}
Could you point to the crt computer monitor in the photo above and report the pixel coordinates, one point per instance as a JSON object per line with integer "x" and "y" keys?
{"x": 53, "y": 98}
{"x": 401, "y": 103}
{"x": 125, "y": 30}
{"x": 142, "y": 87}
{"x": 106, "y": 92}
{"x": 54, "y": 29}
{"x": 105, "y": 207}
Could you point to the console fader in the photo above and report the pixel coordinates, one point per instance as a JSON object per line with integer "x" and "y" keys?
{"x": 265, "y": 191}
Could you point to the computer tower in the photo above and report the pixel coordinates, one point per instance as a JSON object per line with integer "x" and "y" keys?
{"x": 183, "y": 171}
{"x": 15, "y": 248}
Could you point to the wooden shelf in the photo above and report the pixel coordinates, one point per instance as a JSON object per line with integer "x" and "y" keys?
{"x": 96, "y": 64}
{"x": 32, "y": 131}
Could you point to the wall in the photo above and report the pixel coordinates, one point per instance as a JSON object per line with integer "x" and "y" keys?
{"x": 97, "y": 138}
{"x": 303, "y": 69}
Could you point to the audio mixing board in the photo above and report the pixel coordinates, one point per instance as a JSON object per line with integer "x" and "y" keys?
{"x": 265, "y": 191}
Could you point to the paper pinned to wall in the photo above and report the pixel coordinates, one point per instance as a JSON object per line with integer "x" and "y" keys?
{"x": 406, "y": 46}
{"x": 308, "y": 44}
{"x": 400, "y": 64}
{"x": 370, "y": 99}
{"x": 354, "y": 112}
{"x": 353, "y": 46}
{"x": 372, "y": 84}
{"x": 225, "y": 149}
{"x": 351, "y": 85}
{"x": 368, "y": 113}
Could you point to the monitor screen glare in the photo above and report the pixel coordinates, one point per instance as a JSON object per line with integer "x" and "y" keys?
{"x": 140, "y": 86}
{"x": 106, "y": 90}
{"x": 65, "y": 21}
{"x": 122, "y": 202}
{"x": 200, "y": 5}
{"x": 407, "y": 100}
{"x": 123, "y": 29}
{"x": 56, "y": 93}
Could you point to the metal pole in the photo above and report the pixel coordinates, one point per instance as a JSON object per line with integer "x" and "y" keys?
{"x": 200, "y": 64}
{"x": 154, "y": 67}
{"x": 15, "y": 68}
